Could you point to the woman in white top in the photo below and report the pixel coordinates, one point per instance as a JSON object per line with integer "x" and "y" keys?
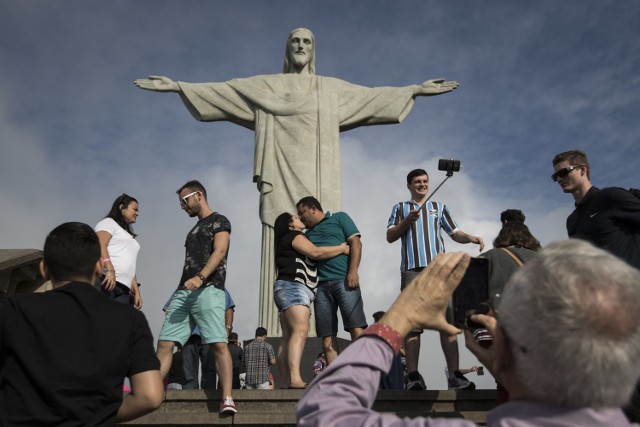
{"x": 119, "y": 251}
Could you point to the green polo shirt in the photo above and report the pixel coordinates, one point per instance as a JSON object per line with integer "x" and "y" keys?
{"x": 333, "y": 230}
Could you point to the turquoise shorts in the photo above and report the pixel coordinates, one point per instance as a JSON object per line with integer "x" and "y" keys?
{"x": 203, "y": 308}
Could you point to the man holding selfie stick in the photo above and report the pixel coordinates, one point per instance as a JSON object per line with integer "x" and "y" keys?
{"x": 419, "y": 224}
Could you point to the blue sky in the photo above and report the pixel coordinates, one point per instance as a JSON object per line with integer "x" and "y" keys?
{"x": 537, "y": 78}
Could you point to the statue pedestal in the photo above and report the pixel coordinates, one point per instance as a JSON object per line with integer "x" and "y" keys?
{"x": 312, "y": 347}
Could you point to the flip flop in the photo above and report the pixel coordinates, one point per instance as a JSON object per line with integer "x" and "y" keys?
{"x": 299, "y": 388}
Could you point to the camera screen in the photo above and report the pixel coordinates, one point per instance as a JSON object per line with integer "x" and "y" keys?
{"x": 473, "y": 289}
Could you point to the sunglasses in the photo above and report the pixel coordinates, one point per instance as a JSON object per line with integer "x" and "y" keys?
{"x": 183, "y": 202}
{"x": 564, "y": 172}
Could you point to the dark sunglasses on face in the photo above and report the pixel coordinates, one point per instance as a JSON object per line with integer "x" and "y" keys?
{"x": 563, "y": 172}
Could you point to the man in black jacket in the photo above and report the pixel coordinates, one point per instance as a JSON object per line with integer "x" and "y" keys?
{"x": 608, "y": 218}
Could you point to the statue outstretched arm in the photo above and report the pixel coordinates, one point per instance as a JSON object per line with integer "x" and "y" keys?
{"x": 434, "y": 87}
{"x": 158, "y": 84}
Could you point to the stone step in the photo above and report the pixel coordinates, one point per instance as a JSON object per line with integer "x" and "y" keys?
{"x": 277, "y": 407}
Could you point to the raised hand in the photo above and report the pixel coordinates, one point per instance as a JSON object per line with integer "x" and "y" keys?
{"x": 422, "y": 304}
{"x": 435, "y": 87}
{"x": 158, "y": 84}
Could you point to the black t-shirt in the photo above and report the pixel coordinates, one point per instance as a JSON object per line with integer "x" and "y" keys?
{"x": 610, "y": 219}
{"x": 199, "y": 246}
{"x": 293, "y": 266}
{"x": 64, "y": 355}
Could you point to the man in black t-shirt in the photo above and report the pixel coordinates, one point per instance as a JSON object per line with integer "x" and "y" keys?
{"x": 608, "y": 218}
{"x": 59, "y": 364}
{"x": 200, "y": 300}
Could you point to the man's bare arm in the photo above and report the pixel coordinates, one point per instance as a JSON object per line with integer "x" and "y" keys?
{"x": 355, "y": 255}
{"x": 147, "y": 394}
{"x": 395, "y": 232}
{"x": 462, "y": 237}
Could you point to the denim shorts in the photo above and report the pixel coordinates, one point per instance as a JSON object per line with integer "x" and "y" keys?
{"x": 203, "y": 307}
{"x": 330, "y": 296}
{"x": 287, "y": 294}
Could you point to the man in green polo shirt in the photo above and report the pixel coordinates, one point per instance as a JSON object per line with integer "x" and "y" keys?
{"x": 339, "y": 284}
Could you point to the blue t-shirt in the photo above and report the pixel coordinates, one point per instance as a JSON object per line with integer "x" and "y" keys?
{"x": 333, "y": 230}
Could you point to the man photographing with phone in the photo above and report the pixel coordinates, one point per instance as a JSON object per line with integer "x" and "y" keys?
{"x": 574, "y": 299}
{"x": 419, "y": 224}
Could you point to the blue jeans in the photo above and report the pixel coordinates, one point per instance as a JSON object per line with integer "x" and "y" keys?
{"x": 334, "y": 294}
{"x": 195, "y": 353}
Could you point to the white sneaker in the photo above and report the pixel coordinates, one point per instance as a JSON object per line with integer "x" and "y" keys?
{"x": 228, "y": 406}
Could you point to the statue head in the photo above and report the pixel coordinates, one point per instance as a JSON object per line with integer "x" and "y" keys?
{"x": 300, "y": 52}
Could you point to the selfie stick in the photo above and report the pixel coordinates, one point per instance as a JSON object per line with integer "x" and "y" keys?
{"x": 449, "y": 175}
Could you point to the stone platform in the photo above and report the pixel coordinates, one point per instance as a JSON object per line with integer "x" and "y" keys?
{"x": 277, "y": 407}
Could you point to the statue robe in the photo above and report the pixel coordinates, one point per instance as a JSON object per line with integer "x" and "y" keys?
{"x": 297, "y": 121}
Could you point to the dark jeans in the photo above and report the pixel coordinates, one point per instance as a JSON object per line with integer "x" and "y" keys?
{"x": 119, "y": 293}
{"x": 394, "y": 379}
{"x": 195, "y": 353}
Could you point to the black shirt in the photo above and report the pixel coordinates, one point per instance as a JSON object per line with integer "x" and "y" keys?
{"x": 199, "y": 246}
{"x": 610, "y": 219}
{"x": 64, "y": 355}
{"x": 293, "y": 266}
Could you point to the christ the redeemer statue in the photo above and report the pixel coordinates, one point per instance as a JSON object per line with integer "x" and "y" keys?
{"x": 297, "y": 117}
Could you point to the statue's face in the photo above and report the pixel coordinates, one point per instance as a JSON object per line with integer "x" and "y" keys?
{"x": 300, "y": 48}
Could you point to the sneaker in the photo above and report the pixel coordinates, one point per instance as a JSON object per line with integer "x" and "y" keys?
{"x": 459, "y": 382}
{"x": 415, "y": 381}
{"x": 228, "y": 406}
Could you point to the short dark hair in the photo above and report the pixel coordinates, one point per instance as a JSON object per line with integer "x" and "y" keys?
{"x": 71, "y": 251}
{"x": 377, "y": 316}
{"x": 512, "y": 215}
{"x": 261, "y": 332}
{"x": 414, "y": 173}
{"x": 310, "y": 202}
{"x": 575, "y": 157}
{"x": 516, "y": 234}
{"x": 194, "y": 185}
{"x": 233, "y": 336}
{"x": 121, "y": 202}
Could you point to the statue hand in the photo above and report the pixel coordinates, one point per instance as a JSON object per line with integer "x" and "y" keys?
{"x": 435, "y": 87}
{"x": 158, "y": 84}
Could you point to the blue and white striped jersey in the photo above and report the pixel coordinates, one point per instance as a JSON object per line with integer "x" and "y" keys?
{"x": 423, "y": 239}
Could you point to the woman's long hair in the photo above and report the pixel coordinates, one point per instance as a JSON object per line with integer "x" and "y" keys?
{"x": 515, "y": 233}
{"x": 121, "y": 202}
{"x": 280, "y": 228}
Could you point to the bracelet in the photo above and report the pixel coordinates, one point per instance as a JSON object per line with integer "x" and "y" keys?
{"x": 229, "y": 327}
{"x": 106, "y": 259}
{"x": 387, "y": 334}
{"x": 201, "y": 277}
{"x": 110, "y": 271}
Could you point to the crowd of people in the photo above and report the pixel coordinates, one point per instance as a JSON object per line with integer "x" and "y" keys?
{"x": 571, "y": 298}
